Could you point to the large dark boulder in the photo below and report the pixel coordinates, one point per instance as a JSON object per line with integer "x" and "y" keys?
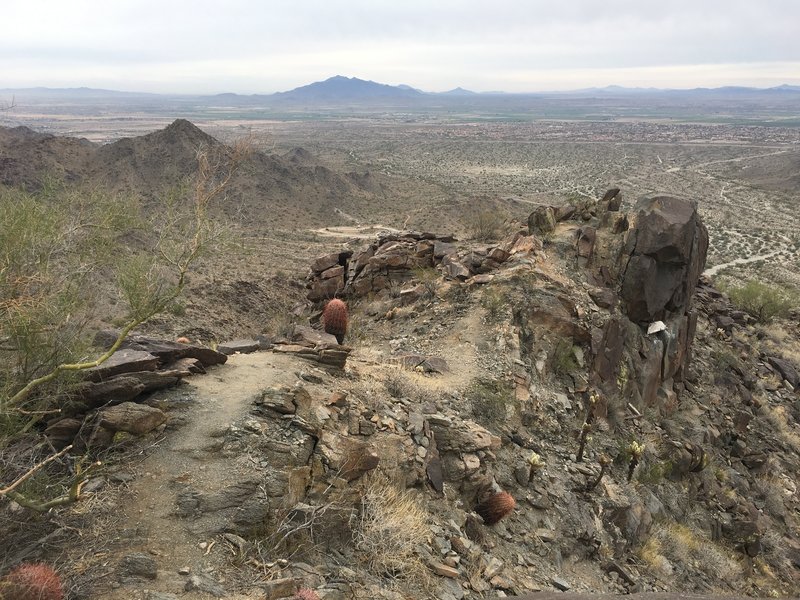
{"x": 666, "y": 250}
{"x": 542, "y": 221}
{"x": 654, "y": 267}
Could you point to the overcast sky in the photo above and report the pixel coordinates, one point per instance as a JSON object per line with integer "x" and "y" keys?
{"x": 203, "y": 46}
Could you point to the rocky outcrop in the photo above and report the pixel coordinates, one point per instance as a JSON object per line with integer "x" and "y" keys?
{"x": 109, "y": 399}
{"x": 315, "y": 345}
{"x": 645, "y": 267}
{"x": 653, "y": 267}
{"x": 664, "y": 255}
{"x": 389, "y": 262}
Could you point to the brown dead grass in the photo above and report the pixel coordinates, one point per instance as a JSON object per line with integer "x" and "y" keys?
{"x": 673, "y": 544}
{"x": 391, "y": 524}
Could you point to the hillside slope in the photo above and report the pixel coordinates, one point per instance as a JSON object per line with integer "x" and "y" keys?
{"x": 268, "y": 190}
{"x": 583, "y": 413}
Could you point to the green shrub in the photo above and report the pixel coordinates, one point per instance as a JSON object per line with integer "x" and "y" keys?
{"x": 490, "y": 399}
{"x": 764, "y": 302}
{"x": 495, "y": 301}
{"x": 63, "y": 253}
{"x": 486, "y": 225}
{"x": 562, "y": 358}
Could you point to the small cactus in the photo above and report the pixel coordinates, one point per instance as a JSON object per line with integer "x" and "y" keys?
{"x": 635, "y": 449}
{"x": 536, "y": 464}
{"x": 183, "y": 340}
{"x": 604, "y": 461}
{"x": 587, "y": 426}
{"x": 334, "y": 319}
{"x": 496, "y": 507}
{"x": 535, "y": 461}
{"x": 305, "y": 594}
{"x": 32, "y": 582}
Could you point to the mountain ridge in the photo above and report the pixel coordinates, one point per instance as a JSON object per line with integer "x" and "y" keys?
{"x": 339, "y": 86}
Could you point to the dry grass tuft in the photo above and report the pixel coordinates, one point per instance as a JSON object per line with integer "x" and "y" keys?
{"x": 391, "y": 524}
{"x": 780, "y": 421}
{"x": 674, "y": 544}
{"x": 400, "y": 385}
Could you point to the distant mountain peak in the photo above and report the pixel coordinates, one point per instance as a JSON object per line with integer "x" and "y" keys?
{"x": 350, "y": 89}
{"x": 459, "y": 91}
{"x": 181, "y": 125}
{"x": 184, "y": 131}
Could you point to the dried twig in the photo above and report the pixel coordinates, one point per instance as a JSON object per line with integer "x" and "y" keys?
{"x": 30, "y": 472}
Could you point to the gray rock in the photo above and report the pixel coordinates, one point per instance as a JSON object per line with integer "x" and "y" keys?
{"x": 123, "y": 361}
{"x": 165, "y": 351}
{"x": 204, "y": 583}
{"x": 667, "y": 247}
{"x": 138, "y": 565}
{"x": 466, "y": 436}
{"x": 494, "y": 567}
{"x": 278, "y": 588}
{"x": 542, "y": 221}
{"x": 306, "y": 336}
{"x": 241, "y": 346}
{"x": 323, "y": 263}
{"x": 786, "y": 370}
{"x": 133, "y": 418}
{"x": 280, "y": 400}
{"x": 560, "y": 584}
{"x": 455, "y": 269}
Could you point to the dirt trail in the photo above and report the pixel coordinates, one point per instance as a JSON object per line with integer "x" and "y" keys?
{"x": 711, "y": 271}
{"x": 354, "y": 231}
{"x": 190, "y": 456}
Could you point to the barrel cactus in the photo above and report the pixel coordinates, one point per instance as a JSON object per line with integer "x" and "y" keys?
{"x": 496, "y": 507}
{"x": 334, "y": 319}
{"x": 32, "y": 582}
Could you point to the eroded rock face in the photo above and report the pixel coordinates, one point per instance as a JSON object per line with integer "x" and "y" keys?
{"x": 666, "y": 253}
{"x": 655, "y": 268}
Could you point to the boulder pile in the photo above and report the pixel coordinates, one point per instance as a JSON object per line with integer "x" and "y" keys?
{"x": 109, "y": 399}
{"x": 391, "y": 260}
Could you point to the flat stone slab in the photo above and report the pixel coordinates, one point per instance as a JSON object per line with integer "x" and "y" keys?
{"x": 240, "y": 346}
{"x": 165, "y": 350}
{"x": 306, "y": 336}
{"x": 123, "y": 361}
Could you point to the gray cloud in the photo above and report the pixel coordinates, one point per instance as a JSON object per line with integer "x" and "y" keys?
{"x": 241, "y": 45}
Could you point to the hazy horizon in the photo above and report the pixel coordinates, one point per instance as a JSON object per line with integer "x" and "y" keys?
{"x": 236, "y": 92}
{"x": 181, "y": 47}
